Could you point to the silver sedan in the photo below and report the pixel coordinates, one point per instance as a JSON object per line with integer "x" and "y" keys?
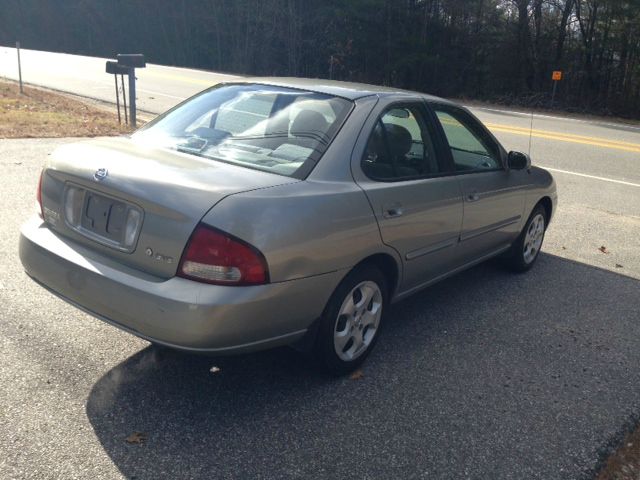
{"x": 275, "y": 211}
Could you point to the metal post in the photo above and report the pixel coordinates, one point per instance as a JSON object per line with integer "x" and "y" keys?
{"x": 19, "y": 67}
{"x": 553, "y": 94}
{"x": 115, "y": 79}
{"x": 132, "y": 96}
{"x": 124, "y": 99}
{"x": 331, "y": 68}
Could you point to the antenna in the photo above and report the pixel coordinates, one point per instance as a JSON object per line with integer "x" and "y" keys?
{"x": 530, "y": 132}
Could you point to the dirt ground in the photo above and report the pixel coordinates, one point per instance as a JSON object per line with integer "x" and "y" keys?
{"x": 40, "y": 113}
{"x": 624, "y": 464}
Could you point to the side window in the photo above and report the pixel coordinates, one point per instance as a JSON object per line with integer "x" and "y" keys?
{"x": 471, "y": 148}
{"x": 400, "y": 147}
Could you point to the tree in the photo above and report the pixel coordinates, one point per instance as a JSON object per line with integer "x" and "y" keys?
{"x": 493, "y": 49}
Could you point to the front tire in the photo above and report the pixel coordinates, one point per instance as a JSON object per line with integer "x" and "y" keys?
{"x": 351, "y": 321}
{"x": 525, "y": 250}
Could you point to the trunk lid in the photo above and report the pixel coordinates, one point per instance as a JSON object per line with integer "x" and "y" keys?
{"x": 96, "y": 192}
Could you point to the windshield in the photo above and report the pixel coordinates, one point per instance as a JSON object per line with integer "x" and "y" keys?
{"x": 279, "y": 130}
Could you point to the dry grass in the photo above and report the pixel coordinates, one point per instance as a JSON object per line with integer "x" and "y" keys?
{"x": 41, "y": 113}
{"x": 624, "y": 464}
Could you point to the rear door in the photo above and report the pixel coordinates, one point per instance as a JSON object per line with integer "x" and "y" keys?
{"x": 418, "y": 205}
{"x": 493, "y": 196}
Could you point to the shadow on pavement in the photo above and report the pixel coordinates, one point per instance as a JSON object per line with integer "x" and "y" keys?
{"x": 486, "y": 375}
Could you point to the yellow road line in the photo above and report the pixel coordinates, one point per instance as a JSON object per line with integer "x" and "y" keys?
{"x": 563, "y": 137}
{"x": 567, "y": 137}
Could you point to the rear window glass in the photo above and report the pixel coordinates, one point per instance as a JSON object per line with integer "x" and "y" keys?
{"x": 279, "y": 130}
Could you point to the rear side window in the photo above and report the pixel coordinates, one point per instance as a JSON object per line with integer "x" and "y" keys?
{"x": 400, "y": 147}
{"x": 471, "y": 148}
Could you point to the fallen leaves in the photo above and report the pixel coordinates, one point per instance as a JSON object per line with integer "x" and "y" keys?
{"x": 605, "y": 250}
{"x": 357, "y": 375}
{"x": 136, "y": 438}
{"x": 624, "y": 463}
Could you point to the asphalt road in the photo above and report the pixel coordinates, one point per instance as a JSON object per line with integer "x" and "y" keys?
{"x": 555, "y": 141}
{"x": 487, "y": 375}
{"x": 159, "y": 88}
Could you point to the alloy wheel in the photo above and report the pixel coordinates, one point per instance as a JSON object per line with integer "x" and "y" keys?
{"x": 358, "y": 321}
{"x": 533, "y": 238}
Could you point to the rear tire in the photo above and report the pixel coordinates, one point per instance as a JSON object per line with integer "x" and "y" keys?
{"x": 525, "y": 250}
{"x": 351, "y": 321}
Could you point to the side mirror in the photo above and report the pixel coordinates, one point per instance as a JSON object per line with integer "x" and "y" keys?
{"x": 519, "y": 161}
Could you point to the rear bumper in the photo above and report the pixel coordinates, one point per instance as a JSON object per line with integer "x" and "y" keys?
{"x": 176, "y": 312}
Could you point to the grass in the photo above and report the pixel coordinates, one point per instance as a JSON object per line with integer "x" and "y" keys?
{"x": 623, "y": 464}
{"x": 40, "y": 113}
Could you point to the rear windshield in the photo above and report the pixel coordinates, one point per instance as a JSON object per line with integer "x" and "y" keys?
{"x": 279, "y": 130}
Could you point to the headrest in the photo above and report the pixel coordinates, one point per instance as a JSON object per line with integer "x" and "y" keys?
{"x": 399, "y": 138}
{"x": 309, "y": 121}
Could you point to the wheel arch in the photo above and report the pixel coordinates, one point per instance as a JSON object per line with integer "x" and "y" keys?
{"x": 390, "y": 268}
{"x": 547, "y": 204}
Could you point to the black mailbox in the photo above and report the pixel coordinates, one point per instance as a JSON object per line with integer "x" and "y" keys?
{"x": 115, "y": 69}
{"x": 131, "y": 60}
{"x": 126, "y": 65}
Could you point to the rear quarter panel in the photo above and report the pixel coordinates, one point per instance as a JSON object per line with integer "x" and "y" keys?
{"x": 303, "y": 229}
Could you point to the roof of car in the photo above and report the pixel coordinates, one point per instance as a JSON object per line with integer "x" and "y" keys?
{"x": 349, "y": 90}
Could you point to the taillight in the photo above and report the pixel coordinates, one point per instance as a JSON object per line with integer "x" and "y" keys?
{"x": 216, "y": 257}
{"x": 39, "y": 197}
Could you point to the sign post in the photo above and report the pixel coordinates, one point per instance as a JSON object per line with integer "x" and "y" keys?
{"x": 115, "y": 69}
{"x": 19, "y": 67}
{"x": 126, "y": 65}
{"x": 556, "y": 77}
{"x": 131, "y": 61}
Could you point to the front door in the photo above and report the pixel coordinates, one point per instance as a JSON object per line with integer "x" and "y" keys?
{"x": 493, "y": 196}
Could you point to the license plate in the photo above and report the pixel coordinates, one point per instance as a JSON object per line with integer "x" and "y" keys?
{"x": 104, "y": 216}
{"x": 104, "y": 219}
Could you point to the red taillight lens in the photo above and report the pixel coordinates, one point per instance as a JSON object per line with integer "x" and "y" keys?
{"x": 39, "y": 196}
{"x": 215, "y": 257}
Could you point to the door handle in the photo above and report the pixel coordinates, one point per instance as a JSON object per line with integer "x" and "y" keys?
{"x": 473, "y": 197}
{"x": 392, "y": 211}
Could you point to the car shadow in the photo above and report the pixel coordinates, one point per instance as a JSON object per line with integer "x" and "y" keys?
{"x": 485, "y": 375}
